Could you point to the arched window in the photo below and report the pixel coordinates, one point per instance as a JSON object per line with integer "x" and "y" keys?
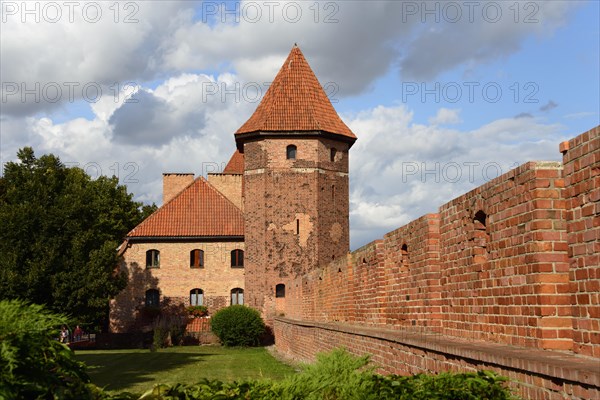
{"x": 153, "y": 259}
{"x": 280, "y": 290}
{"x": 152, "y": 298}
{"x": 237, "y": 296}
{"x": 196, "y": 297}
{"x": 291, "y": 152}
{"x": 237, "y": 258}
{"x": 197, "y": 258}
{"x": 332, "y": 154}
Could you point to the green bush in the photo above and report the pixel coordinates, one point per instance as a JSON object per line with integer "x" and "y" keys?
{"x": 33, "y": 364}
{"x": 238, "y": 325}
{"x": 339, "y": 375}
{"x": 335, "y": 375}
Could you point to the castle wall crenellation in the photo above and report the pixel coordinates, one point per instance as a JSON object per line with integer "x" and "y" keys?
{"x": 514, "y": 262}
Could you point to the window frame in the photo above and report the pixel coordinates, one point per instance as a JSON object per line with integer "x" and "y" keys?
{"x": 200, "y": 259}
{"x": 150, "y": 296}
{"x": 236, "y": 292}
{"x": 291, "y": 152}
{"x": 237, "y": 258}
{"x": 280, "y": 291}
{"x": 152, "y": 261}
{"x": 197, "y": 292}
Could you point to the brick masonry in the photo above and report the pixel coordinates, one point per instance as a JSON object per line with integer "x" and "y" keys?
{"x": 230, "y": 185}
{"x": 296, "y": 212}
{"x": 174, "y": 183}
{"x": 513, "y": 264}
{"x": 174, "y": 279}
{"x": 581, "y": 157}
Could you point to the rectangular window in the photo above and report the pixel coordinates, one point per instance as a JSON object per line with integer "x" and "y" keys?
{"x": 153, "y": 259}
{"x": 237, "y": 258}
{"x": 197, "y": 259}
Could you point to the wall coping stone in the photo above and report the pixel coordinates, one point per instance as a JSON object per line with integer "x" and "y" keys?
{"x": 554, "y": 364}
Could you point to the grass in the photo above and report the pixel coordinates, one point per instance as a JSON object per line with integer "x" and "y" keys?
{"x": 138, "y": 370}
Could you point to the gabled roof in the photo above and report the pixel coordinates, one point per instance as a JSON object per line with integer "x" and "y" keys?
{"x": 235, "y": 164}
{"x": 199, "y": 210}
{"x": 295, "y": 102}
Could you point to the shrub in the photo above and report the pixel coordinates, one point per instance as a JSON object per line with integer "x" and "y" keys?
{"x": 33, "y": 364}
{"x": 238, "y": 325}
{"x": 339, "y": 375}
{"x": 335, "y": 375}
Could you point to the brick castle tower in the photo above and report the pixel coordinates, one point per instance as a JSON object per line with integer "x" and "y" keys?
{"x": 296, "y": 201}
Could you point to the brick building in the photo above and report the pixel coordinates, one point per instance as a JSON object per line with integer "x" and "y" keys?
{"x": 190, "y": 251}
{"x": 505, "y": 277}
{"x": 278, "y": 210}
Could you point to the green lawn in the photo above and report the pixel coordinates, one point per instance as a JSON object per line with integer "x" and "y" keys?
{"x": 138, "y": 370}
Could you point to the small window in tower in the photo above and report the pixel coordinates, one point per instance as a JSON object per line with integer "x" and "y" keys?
{"x": 280, "y": 290}
{"x": 291, "y": 152}
{"x": 332, "y": 154}
{"x": 297, "y": 227}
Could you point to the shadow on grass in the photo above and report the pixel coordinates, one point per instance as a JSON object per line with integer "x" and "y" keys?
{"x": 121, "y": 370}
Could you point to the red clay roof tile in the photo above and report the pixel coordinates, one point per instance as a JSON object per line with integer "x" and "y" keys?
{"x": 198, "y": 210}
{"x": 235, "y": 164}
{"x": 295, "y": 102}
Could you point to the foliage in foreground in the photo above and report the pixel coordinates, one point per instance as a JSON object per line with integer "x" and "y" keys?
{"x": 33, "y": 365}
{"x": 59, "y": 229}
{"x": 341, "y": 376}
{"x": 238, "y": 325}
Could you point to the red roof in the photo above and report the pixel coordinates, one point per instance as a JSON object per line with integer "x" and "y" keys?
{"x": 295, "y": 102}
{"x": 198, "y": 210}
{"x": 235, "y": 164}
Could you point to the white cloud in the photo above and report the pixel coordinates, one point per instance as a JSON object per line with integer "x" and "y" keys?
{"x": 446, "y": 116}
{"x": 167, "y": 37}
{"x": 400, "y": 170}
{"x": 182, "y": 67}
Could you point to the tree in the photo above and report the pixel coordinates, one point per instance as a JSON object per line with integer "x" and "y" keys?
{"x": 59, "y": 231}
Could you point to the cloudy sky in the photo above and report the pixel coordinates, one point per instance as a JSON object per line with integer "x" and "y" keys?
{"x": 443, "y": 96}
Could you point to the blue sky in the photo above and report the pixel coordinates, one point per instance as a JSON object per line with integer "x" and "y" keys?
{"x": 377, "y": 56}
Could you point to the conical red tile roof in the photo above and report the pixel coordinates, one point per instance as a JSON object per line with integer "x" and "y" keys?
{"x": 295, "y": 102}
{"x": 199, "y": 210}
{"x": 235, "y": 164}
